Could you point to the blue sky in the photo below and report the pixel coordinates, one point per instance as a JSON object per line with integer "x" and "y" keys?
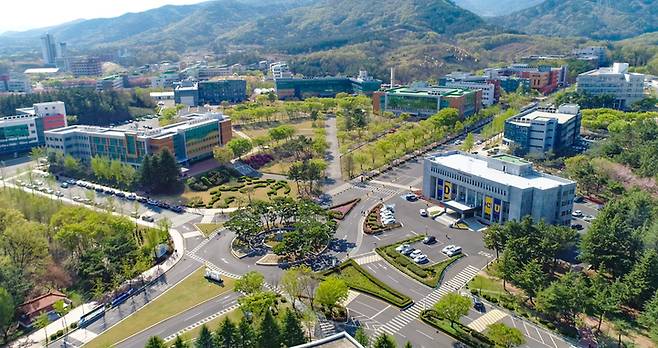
{"x": 29, "y": 14}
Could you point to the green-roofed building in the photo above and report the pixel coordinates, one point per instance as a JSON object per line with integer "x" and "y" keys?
{"x": 423, "y": 101}
{"x": 325, "y": 87}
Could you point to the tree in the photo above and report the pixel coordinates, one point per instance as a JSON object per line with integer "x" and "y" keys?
{"x": 239, "y": 146}
{"x": 452, "y": 306}
{"x": 61, "y": 309}
{"x": 155, "y": 342}
{"x": 7, "y": 310}
{"x": 226, "y": 335}
{"x": 168, "y": 171}
{"x": 223, "y": 154}
{"x": 292, "y": 333}
{"x": 257, "y": 303}
{"x": 146, "y": 173}
{"x": 291, "y": 285}
{"x": 469, "y": 143}
{"x": 531, "y": 279}
{"x": 331, "y": 291}
{"x": 649, "y": 317}
{"x": 505, "y": 336}
{"x": 384, "y": 341}
{"x": 362, "y": 337}
{"x": 494, "y": 238}
{"x": 179, "y": 343}
{"x": 408, "y": 345}
{"x": 270, "y": 333}
{"x": 42, "y": 322}
{"x": 642, "y": 281}
{"x": 246, "y": 334}
{"x": 250, "y": 283}
{"x": 205, "y": 339}
{"x": 25, "y": 244}
{"x": 564, "y": 298}
{"x": 606, "y": 297}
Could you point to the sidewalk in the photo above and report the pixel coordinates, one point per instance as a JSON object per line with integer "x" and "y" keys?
{"x": 35, "y": 339}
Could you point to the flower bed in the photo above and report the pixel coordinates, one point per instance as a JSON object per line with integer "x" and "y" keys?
{"x": 339, "y": 211}
{"x": 458, "y": 330}
{"x": 428, "y": 275}
{"x": 373, "y": 223}
{"x": 259, "y": 160}
{"x": 359, "y": 279}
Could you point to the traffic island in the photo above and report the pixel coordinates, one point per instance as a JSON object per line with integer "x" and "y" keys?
{"x": 373, "y": 223}
{"x": 428, "y": 275}
{"x": 456, "y": 330}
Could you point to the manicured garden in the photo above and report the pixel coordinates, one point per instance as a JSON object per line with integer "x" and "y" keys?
{"x": 190, "y": 292}
{"x": 236, "y": 192}
{"x": 458, "y": 330}
{"x": 373, "y": 223}
{"x": 359, "y": 279}
{"x": 428, "y": 275}
{"x": 341, "y": 210}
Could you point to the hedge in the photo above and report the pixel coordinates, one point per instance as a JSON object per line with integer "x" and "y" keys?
{"x": 460, "y": 331}
{"x": 387, "y": 294}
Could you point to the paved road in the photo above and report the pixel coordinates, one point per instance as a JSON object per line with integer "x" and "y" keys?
{"x": 333, "y": 157}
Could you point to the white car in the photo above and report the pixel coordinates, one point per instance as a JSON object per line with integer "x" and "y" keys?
{"x": 415, "y": 254}
{"x": 577, "y": 213}
{"x": 453, "y": 250}
{"x": 401, "y": 247}
{"x": 389, "y": 222}
{"x": 423, "y": 213}
{"x": 588, "y": 218}
{"x": 422, "y": 258}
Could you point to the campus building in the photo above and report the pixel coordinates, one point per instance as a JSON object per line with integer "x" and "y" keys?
{"x": 325, "y": 87}
{"x": 540, "y": 130}
{"x": 210, "y": 92}
{"x": 544, "y": 79}
{"x": 496, "y": 189}
{"x": 86, "y": 66}
{"x": 190, "y": 141}
{"x": 423, "y": 101}
{"x": 22, "y": 132}
{"x": 614, "y": 81}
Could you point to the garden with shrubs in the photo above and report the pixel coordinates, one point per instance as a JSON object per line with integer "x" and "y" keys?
{"x": 373, "y": 223}
{"x": 428, "y": 275}
{"x": 224, "y": 188}
{"x": 359, "y": 279}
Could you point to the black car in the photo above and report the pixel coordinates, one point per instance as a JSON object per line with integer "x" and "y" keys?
{"x": 577, "y": 227}
{"x": 429, "y": 240}
{"x": 478, "y": 305}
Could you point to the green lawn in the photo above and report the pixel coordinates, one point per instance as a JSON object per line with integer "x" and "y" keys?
{"x": 486, "y": 285}
{"x": 359, "y": 279}
{"x": 192, "y": 291}
{"x": 428, "y": 275}
{"x": 207, "y": 229}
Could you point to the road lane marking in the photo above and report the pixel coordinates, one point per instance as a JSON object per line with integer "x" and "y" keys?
{"x": 380, "y": 312}
{"x": 393, "y": 279}
{"x": 365, "y": 304}
{"x": 538, "y": 334}
{"x": 551, "y": 337}
{"x": 426, "y": 335}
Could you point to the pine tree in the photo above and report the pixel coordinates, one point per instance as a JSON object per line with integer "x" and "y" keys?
{"x": 179, "y": 343}
{"x": 408, "y": 344}
{"x": 362, "y": 337}
{"x": 205, "y": 339}
{"x": 168, "y": 171}
{"x": 155, "y": 342}
{"x": 384, "y": 341}
{"x": 226, "y": 335}
{"x": 146, "y": 173}
{"x": 247, "y": 336}
{"x": 270, "y": 333}
{"x": 292, "y": 334}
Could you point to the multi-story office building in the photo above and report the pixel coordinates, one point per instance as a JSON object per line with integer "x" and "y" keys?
{"x": 539, "y": 131}
{"x": 15, "y": 83}
{"x": 496, "y": 189}
{"x": 190, "y": 141}
{"x": 614, "y": 81}
{"x": 325, "y": 87}
{"x": 544, "y": 79}
{"x": 597, "y": 52}
{"x": 423, "y": 101}
{"x": 48, "y": 49}
{"x": 280, "y": 70}
{"x": 86, "y": 66}
{"x": 20, "y": 133}
{"x": 112, "y": 82}
{"x": 210, "y": 92}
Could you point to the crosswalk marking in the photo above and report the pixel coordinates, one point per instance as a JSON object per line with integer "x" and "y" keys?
{"x": 351, "y": 295}
{"x": 327, "y": 327}
{"x": 413, "y": 312}
{"x": 368, "y": 258}
{"x": 377, "y": 189}
{"x": 205, "y": 241}
{"x": 212, "y": 266}
{"x": 480, "y": 324}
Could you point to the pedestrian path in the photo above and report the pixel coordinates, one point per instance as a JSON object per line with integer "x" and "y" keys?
{"x": 368, "y": 258}
{"x": 480, "y": 324}
{"x": 377, "y": 189}
{"x": 413, "y": 312}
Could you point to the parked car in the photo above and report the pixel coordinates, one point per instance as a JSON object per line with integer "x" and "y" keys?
{"x": 416, "y": 253}
{"x": 588, "y": 218}
{"x": 423, "y": 213}
{"x": 577, "y": 213}
{"x": 577, "y": 227}
{"x": 407, "y": 251}
{"x": 148, "y": 218}
{"x": 411, "y": 197}
{"x": 64, "y": 185}
{"x": 452, "y": 250}
{"x": 422, "y": 258}
{"x": 401, "y": 247}
{"x": 429, "y": 240}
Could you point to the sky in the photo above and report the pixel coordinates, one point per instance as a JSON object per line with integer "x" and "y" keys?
{"x": 20, "y": 15}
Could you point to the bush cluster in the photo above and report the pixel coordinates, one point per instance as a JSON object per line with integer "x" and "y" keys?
{"x": 259, "y": 160}
{"x": 212, "y": 178}
{"x": 461, "y": 332}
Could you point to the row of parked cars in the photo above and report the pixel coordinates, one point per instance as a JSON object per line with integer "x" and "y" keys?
{"x": 415, "y": 254}
{"x": 387, "y": 215}
{"x": 39, "y": 185}
{"x": 123, "y": 195}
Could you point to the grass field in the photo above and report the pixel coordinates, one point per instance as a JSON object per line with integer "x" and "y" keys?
{"x": 279, "y": 167}
{"x": 192, "y": 291}
{"x": 485, "y": 284}
{"x": 207, "y": 229}
{"x": 303, "y": 127}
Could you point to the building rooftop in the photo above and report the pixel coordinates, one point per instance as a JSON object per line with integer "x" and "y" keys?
{"x": 41, "y": 71}
{"x": 430, "y": 91}
{"x": 615, "y": 69}
{"x": 161, "y": 94}
{"x": 339, "y": 340}
{"x": 482, "y": 167}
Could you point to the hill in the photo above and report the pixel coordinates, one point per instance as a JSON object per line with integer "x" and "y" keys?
{"x": 597, "y": 19}
{"x": 492, "y": 8}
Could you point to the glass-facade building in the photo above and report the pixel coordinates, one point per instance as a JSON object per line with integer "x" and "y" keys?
{"x": 324, "y": 87}
{"x": 424, "y": 101}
